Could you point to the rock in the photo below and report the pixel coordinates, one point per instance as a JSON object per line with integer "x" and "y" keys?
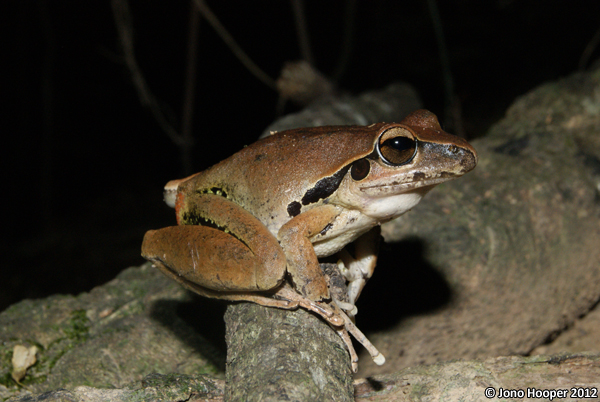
{"x": 515, "y": 378}
{"x": 510, "y": 253}
{"x": 155, "y": 387}
{"x": 112, "y": 336}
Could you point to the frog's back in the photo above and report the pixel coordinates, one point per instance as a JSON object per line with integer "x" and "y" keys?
{"x": 277, "y": 170}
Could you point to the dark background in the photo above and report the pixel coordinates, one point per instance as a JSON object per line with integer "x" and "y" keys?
{"x": 85, "y": 162}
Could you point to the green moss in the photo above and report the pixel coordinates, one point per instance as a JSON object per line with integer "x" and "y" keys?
{"x": 31, "y": 380}
{"x": 209, "y": 369}
{"x": 418, "y": 391}
{"x": 7, "y": 380}
{"x": 76, "y": 331}
{"x": 182, "y": 381}
{"x": 171, "y": 387}
{"x": 78, "y": 326}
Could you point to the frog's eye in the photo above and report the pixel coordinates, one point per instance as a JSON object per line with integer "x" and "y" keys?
{"x": 397, "y": 146}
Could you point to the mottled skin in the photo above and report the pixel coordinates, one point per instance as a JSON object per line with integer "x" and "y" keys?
{"x": 252, "y": 226}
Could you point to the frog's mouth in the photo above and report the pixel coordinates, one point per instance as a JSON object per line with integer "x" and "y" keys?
{"x": 400, "y": 188}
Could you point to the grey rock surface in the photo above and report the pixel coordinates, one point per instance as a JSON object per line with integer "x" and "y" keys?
{"x": 515, "y": 242}
{"x": 112, "y": 336}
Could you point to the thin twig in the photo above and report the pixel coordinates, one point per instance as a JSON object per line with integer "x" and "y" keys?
{"x": 48, "y": 140}
{"x": 187, "y": 115}
{"x": 589, "y": 49}
{"x": 441, "y": 41}
{"x": 302, "y": 31}
{"x": 451, "y": 112}
{"x": 347, "y": 40}
{"x": 233, "y": 46}
{"x": 125, "y": 31}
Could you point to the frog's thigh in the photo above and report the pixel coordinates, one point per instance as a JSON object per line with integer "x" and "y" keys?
{"x": 248, "y": 258}
{"x": 248, "y": 230}
{"x": 302, "y": 263}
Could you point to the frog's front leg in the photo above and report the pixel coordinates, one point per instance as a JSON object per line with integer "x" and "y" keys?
{"x": 359, "y": 268}
{"x": 302, "y": 264}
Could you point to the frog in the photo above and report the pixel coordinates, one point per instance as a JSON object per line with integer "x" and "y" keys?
{"x": 253, "y": 227}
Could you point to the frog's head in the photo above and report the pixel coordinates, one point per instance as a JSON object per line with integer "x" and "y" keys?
{"x": 408, "y": 159}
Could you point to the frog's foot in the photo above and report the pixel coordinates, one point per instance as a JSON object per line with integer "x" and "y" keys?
{"x": 264, "y": 301}
{"x": 336, "y": 318}
{"x": 324, "y": 310}
{"x": 350, "y": 308}
{"x": 353, "y": 356}
{"x": 331, "y": 313}
{"x": 349, "y": 326}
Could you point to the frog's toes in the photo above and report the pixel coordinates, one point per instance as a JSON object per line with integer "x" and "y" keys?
{"x": 350, "y": 308}
{"x": 379, "y": 359}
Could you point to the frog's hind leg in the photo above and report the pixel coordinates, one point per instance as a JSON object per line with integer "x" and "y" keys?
{"x": 217, "y": 259}
{"x": 376, "y": 355}
{"x": 353, "y": 356}
{"x": 285, "y": 292}
{"x": 336, "y": 318}
{"x": 230, "y": 296}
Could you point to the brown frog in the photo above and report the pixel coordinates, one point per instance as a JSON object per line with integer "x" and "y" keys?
{"x": 252, "y": 227}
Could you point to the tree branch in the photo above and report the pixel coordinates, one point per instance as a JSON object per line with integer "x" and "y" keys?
{"x": 232, "y": 44}
{"x": 125, "y": 30}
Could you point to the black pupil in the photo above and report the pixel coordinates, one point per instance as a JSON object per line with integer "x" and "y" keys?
{"x": 401, "y": 144}
{"x": 398, "y": 150}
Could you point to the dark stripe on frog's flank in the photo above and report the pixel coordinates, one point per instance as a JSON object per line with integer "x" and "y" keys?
{"x": 193, "y": 218}
{"x": 322, "y": 189}
{"x": 294, "y": 208}
{"x": 325, "y": 187}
